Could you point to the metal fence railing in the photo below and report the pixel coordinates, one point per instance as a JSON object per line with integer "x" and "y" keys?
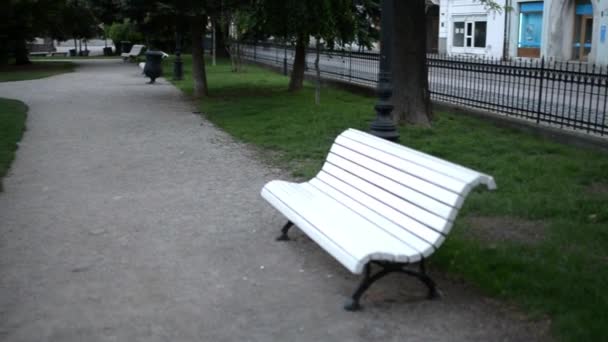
{"x": 568, "y": 95}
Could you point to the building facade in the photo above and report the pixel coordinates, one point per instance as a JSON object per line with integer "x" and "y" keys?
{"x": 467, "y": 27}
{"x": 564, "y": 30}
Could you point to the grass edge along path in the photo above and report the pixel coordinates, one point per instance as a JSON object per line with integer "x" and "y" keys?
{"x": 12, "y": 125}
{"x": 540, "y": 241}
{"x": 35, "y": 70}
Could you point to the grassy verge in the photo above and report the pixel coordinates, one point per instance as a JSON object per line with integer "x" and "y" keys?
{"x": 12, "y": 125}
{"x": 33, "y": 71}
{"x": 540, "y": 241}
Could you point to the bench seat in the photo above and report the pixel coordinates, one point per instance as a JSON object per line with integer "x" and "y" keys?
{"x": 376, "y": 201}
{"x": 135, "y": 51}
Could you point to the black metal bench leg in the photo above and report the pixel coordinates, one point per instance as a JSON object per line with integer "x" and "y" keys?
{"x": 430, "y": 284}
{"x": 354, "y": 303}
{"x": 284, "y": 230}
{"x": 433, "y": 292}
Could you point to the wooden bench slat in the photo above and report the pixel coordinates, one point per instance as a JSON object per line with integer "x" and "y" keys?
{"x": 414, "y": 247}
{"x": 429, "y": 182}
{"x": 378, "y": 187}
{"x": 363, "y": 241}
{"x": 311, "y": 231}
{"x": 387, "y": 247}
{"x": 339, "y": 180}
{"x": 423, "y": 195}
{"x": 455, "y": 171}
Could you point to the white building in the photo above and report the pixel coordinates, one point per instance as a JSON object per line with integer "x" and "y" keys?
{"x": 467, "y": 27}
{"x": 563, "y": 30}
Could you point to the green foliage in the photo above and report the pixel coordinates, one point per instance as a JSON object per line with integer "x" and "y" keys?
{"x": 367, "y": 23}
{"x": 23, "y": 20}
{"x": 12, "y": 125}
{"x": 77, "y": 21}
{"x": 125, "y": 31}
{"x": 492, "y": 5}
{"x": 563, "y": 189}
{"x": 331, "y": 20}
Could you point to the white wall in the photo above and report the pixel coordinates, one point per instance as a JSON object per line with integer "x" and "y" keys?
{"x": 599, "y": 51}
{"x": 459, "y": 10}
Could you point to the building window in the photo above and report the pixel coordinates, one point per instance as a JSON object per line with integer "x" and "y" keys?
{"x": 583, "y": 30}
{"x": 469, "y": 34}
{"x": 480, "y": 34}
{"x": 530, "y": 25}
{"x": 459, "y": 34}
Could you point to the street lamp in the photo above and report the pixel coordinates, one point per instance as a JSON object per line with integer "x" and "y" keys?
{"x": 384, "y": 126}
{"x": 178, "y": 73}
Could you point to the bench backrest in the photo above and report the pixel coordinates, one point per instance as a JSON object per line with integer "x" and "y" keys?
{"x": 411, "y": 195}
{"x": 136, "y": 50}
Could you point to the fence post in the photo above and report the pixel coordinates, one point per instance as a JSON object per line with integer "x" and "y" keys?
{"x": 285, "y": 59}
{"x": 350, "y": 64}
{"x": 540, "y": 89}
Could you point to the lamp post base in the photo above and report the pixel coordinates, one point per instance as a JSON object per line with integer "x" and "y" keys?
{"x": 384, "y": 128}
{"x": 178, "y": 73}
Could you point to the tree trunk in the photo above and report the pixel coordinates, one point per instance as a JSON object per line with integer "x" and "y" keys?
{"x": 21, "y": 54}
{"x": 199, "y": 77}
{"x": 3, "y": 53}
{"x": 318, "y": 80}
{"x": 297, "y": 74}
{"x": 239, "y": 57}
{"x": 221, "y": 34}
{"x": 411, "y": 96}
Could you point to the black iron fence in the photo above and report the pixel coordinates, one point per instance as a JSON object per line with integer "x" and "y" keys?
{"x": 561, "y": 94}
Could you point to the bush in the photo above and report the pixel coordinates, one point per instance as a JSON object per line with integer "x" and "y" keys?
{"x": 125, "y": 31}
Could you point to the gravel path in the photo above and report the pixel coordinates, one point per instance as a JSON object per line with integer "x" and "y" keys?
{"x": 126, "y": 217}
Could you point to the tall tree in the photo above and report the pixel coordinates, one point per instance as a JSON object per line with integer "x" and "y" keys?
{"x": 331, "y": 20}
{"x": 411, "y": 97}
{"x": 22, "y": 21}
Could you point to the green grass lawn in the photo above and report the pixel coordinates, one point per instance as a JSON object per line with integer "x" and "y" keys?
{"x": 12, "y": 125}
{"x": 33, "y": 71}
{"x": 540, "y": 241}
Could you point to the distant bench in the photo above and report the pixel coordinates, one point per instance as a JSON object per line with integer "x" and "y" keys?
{"x": 377, "y": 202}
{"x": 135, "y": 51}
{"x": 48, "y": 53}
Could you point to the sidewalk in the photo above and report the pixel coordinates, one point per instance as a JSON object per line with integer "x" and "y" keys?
{"x": 126, "y": 217}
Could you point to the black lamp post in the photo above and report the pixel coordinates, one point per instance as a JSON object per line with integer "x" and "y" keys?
{"x": 383, "y": 126}
{"x": 178, "y": 73}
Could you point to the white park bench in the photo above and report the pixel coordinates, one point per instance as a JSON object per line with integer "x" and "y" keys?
{"x": 135, "y": 51}
{"x": 377, "y": 202}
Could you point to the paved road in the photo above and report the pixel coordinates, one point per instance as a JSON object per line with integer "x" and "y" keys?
{"x": 568, "y": 104}
{"x": 126, "y": 217}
